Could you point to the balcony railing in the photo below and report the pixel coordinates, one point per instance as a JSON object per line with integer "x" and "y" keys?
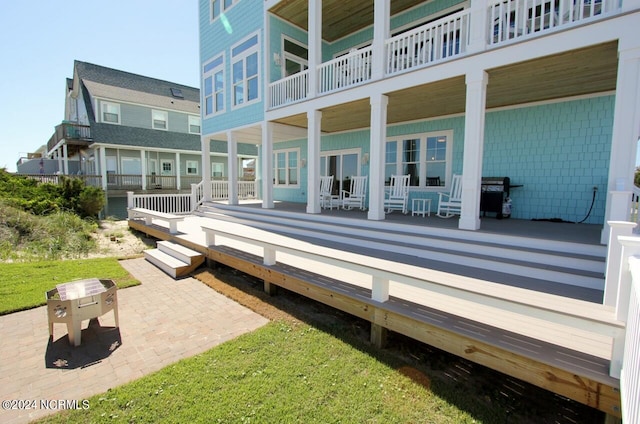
{"x": 68, "y": 131}
{"x": 441, "y": 40}
{"x": 444, "y": 38}
{"x": 513, "y": 19}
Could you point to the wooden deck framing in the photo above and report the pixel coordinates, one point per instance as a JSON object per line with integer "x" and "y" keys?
{"x": 576, "y": 375}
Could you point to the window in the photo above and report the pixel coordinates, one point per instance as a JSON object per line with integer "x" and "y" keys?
{"x": 159, "y": 119}
{"x": 425, "y": 157}
{"x": 194, "y": 125}
{"x": 111, "y": 112}
{"x": 192, "y": 167}
{"x": 213, "y": 74}
{"x": 217, "y": 169}
{"x": 244, "y": 70}
{"x": 286, "y": 171}
{"x": 166, "y": 167}
{"x": 220, "y": 6}
{"x": 296, "y": 57}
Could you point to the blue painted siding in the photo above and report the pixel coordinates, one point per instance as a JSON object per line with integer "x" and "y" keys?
{"x": 559, "y": 152}
{"x": 243, "y": 19}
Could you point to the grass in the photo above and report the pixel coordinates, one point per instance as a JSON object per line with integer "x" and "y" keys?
{"x": 23, "y": 285}
{"x": 281, "y": 373}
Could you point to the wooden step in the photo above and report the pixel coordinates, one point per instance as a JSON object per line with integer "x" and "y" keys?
{"x": 175, "y": 260}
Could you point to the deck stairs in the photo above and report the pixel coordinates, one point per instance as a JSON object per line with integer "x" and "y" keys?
{"x": 175, "y": 260}
{"x": 558, "y": 267}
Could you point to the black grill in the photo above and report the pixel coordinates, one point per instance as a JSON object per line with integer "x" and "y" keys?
{"x": 494, "y": 192}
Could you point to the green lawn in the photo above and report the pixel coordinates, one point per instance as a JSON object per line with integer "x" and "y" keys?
{"x": 281, "y": 373}
{"x": 23, "y": 285}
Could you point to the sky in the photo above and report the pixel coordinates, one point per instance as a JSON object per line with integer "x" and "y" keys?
{"x": 40, "y": 39}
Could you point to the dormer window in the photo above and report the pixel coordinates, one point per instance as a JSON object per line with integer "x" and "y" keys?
{"x": 159, "y": 119}
{"x": 110, "y": 112}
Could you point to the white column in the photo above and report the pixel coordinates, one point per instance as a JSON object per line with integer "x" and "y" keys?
{"x": 473, "y": 148}
{"x": 626, "y": 132}
{"x": 314, "y": 119}
{"x": 381, "y": 19}
{"x": 103, "y": 166}
{"x": 59, "y": 157}
{"x": 143, "y": 168}
{"x": 65, "y": 158}
{"x": 206, "y": 169}
{"x": 478, "y": 25}
{"x": 178, "y": 171}
{"x": 315, "y": 44}
{"x": 232, "y": 165}
{"x": 267, "y": 165}
{"x": 377, "y": 145}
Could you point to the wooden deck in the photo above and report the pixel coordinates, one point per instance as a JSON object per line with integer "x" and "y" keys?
{"x": 570, "y": 361}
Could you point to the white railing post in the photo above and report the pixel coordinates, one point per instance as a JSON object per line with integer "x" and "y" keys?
{"x": 379, "y": 289}
{"x": 130, "y": 200}
{"x": 478, "y": 25}
{"x": 630, "y": 375}
{"x": 194, "y": 197}
{"x": 630, "y": 247}
{"x": 269, "y": 256}
{"x": 614, "y": 259}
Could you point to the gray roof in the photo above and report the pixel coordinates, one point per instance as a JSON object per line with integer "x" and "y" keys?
{"x": 113, "y": 77}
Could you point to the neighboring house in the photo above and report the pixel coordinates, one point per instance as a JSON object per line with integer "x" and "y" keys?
{"x": 127, "y": 132}
{"x": 546, "y": 95}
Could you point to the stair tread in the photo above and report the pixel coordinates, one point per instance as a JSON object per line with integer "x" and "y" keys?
{"x": 165, "y": 258}
{"x": 178, "y": 248}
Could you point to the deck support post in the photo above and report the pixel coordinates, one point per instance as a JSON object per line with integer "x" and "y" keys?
{"x": 269, "y": 288}
{"x": 378, "y": 336}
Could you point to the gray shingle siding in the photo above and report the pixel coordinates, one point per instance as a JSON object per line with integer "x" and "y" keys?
{"x": 143, "y": 137}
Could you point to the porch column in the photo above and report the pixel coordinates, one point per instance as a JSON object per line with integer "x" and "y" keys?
{"x": 625, "y": 134}
{"x": 232, "y": 161}
{"x": 206, "y": 169}
{"x": 103, "y": 166}
{"x": 381, "y": 19}
{"x": 314, "y": 118}
{"x": 178, "y": 171}
{"x": 143, "y": 168}
{"x": 65, "y": 158}
{"x": 478, "y": 25}
{"x": 473, "y": 147}
{"x": 315, "y": 44}
{"x": 59, "y": 157}
{"x": 377, "y": 145}
{"x": 267, "y": 165}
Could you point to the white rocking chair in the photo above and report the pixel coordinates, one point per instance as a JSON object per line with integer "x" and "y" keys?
{"x": 326, "y": 186}
{"x": 356, "y": 196}
{"x": 450, "y": 204}
{"x": 397, "y": 196}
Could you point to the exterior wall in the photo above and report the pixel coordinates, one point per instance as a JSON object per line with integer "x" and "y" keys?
{"x": 557, "y": 162}
{"x": 139, "y": 116}
{"x": 243, "y": 19}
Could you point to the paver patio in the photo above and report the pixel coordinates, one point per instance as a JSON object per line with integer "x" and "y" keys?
{"x": 161, "y": 322}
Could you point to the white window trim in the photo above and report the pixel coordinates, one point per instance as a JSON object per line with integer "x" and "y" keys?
{"x": 212, "y": 73}
{"x": 194, "y": 164}
{"x": 275, "y": 169}
{"x": 170, "y": 162}
{"x": 286, "y": 55}
{"x": 103, "y": 105}
{"x": 217, "y": 166}
{"x": 165, "y": 114}
{"x": 423, "y": 156}
{"x": 242, "y": 57}
{"x": 190, "y": 123}
{"x": 222, "y": 9}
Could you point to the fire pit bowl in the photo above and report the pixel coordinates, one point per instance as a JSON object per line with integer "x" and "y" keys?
{"x": 73, "y": 302}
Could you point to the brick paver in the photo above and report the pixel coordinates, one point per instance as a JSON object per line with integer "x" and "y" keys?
{"x": 161, "y": 322}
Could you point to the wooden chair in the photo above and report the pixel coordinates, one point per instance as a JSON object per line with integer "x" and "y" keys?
{"x": 356, "y": 195}
{"x": 450, "y": 204}
{"x": 326, "y": 186}
{"x": 397, "y": 195}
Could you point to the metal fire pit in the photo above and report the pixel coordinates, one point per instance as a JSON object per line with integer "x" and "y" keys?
{"x": 76, "y": 301}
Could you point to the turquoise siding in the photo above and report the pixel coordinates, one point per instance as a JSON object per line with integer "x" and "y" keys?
{"x": 243, "y": 19}
{"x": 557, "y": 152}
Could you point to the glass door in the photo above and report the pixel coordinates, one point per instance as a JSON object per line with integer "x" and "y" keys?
{"x": 342, "y": 166}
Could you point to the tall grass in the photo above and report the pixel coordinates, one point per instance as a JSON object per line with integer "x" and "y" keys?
{"x": 60, "y": 235}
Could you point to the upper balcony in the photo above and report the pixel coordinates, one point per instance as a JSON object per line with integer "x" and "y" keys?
{"x": 72, "y": 134}
{"x": 443, "y": 39}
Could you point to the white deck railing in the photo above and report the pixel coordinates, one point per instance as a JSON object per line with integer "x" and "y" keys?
{"x": 444, "y": 38}
{"x": 512, "y": 19}
{"x": 167, "y": 203}
{"x": 345, "y": 71}
{"x": 290, "y": 89}
{"x": 630, "y": 375}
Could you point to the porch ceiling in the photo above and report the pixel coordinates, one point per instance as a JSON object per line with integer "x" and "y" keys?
{"x": 339, "y": 17}
{"x": 574, "y": 73}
